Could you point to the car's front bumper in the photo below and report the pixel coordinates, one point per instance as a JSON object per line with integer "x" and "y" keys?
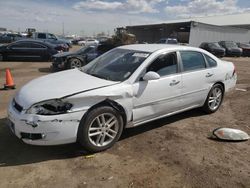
{"x": 44, "y": 130}
{"x": 58, "y": 64}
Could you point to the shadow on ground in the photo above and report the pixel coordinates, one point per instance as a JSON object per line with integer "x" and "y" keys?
{"x": 46, "y": 70}
{"x": 14, "y": 152}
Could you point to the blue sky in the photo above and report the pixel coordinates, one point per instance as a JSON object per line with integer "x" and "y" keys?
{"x": 87, "y": 17}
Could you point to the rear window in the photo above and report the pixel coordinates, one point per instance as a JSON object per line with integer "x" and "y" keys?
{"x": 211, "y": 62}
{"x": 192, "y": 60}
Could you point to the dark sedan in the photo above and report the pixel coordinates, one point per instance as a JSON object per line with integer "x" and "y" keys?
{"x": 28, "y": 50}
{"x": 70, "y": 60}
{"x": 214, "y": 48}
{"x": 231, "y": 48}
{"x": 245, "y": 49}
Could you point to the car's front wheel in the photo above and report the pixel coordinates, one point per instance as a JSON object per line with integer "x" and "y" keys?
{"x": 100, "y": 129}
{"x": 214, "y": 99}
{"x": 74, "y": 63}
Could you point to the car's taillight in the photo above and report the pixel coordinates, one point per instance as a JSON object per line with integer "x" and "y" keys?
{"x": 234, "y": 72}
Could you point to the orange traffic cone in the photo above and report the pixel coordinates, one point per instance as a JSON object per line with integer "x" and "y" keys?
{"x": 9, "y": 81}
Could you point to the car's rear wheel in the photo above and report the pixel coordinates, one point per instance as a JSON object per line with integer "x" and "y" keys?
{"x": 100, "y": 129}
{"x": 214, "y": 99}
{"x": 74, "y": 63}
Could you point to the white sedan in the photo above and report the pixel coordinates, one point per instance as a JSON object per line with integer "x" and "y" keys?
{"x": 125, "y": 87}
{"x": 88, "y": 42}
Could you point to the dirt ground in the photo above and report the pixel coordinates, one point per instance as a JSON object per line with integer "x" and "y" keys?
{"x": 171, "y": 152}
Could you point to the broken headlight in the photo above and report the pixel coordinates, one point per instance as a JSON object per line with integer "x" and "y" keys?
{"x": 50, "y": 107}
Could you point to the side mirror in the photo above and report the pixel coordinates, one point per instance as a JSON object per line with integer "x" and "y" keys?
{"x": 151, "y": 76}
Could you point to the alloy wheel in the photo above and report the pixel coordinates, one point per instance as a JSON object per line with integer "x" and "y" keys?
{"x": 215, "y": 98}
{"x": 103, "y": 129}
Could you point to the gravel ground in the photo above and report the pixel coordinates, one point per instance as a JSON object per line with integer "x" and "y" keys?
{"x": 171, "y": 152}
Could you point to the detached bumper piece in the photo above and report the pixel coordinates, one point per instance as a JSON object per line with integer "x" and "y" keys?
{"x": 32, "y": 136}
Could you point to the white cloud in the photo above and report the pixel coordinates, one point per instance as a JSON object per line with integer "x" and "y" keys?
{"x": 98, "y": 5}
{"x": 142, "y": 6}
{"x": 129, "y": 6}
{"x": 49, "y": 17}
{"x": 204, "y": 7}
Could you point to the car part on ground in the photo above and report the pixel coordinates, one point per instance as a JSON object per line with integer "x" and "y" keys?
{"x": 126, "y": 87}
{"x": 229, "y": 134}
{"x": 231, "y": 48}
{"x": 214, "y": 48}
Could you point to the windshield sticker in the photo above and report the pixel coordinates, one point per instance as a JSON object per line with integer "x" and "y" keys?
{"x": 140, "y": 55}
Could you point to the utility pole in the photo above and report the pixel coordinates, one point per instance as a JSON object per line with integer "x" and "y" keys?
{"x": 63, "y": 28}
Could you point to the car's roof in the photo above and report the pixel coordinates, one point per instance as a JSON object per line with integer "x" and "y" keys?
{"x": 154, "y": 47}
{"x": 34, "y": 41}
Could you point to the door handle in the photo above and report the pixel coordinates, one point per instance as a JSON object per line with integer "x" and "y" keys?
{"x": 209, "y": 75}
{"x": 174, "y": 82}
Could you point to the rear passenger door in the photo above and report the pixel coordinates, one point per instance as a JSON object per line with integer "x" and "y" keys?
{"x": 196, "y": 77}
{"x": 38, "y": 51}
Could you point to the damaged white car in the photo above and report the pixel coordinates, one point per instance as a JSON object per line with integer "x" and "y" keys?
{"x": 126, "y": 87}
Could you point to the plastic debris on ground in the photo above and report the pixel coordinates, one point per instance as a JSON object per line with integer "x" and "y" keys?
{"x": 229, "y": 134}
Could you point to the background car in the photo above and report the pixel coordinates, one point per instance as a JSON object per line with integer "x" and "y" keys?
{"x": 10, "y": 37}
{"x": 88, "y": 42}
{"x": 70, "y": 60}
{"x": 30, "y": 50}
{"x": 231, "y": 48}
{"x": 245, "y": 49}
{"x": 167, "y": 41}
{"x": 214, "y": 48}
{"x": 51, "y": 38}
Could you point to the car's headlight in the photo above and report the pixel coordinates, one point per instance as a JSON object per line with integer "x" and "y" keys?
{"x": 50, "y": 107}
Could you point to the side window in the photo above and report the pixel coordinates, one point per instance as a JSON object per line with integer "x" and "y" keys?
{"x": 41, "y": 36}
{"x": 211, "y": 62}
{"x": 33, "y": 45}
{"x": 20, "y": 45}
{"x": 192, "y": 60}
{"x": 164, "y": 65}
{"x": 51, "y": 36}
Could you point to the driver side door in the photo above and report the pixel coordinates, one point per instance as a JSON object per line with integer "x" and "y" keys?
{"x": 159, "y": 97}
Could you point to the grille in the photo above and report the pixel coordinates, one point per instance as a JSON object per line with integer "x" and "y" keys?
{"x": 18, "y": 107}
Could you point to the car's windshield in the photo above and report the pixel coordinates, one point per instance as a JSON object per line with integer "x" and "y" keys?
{"x": 116, "y": 65}
{"x": 214, "y": 44}
{"x": 85, "y": 50}
{"x": 243, "y": 45}
{"x": 172, "y": 41}
{"x": 230, "y": 44}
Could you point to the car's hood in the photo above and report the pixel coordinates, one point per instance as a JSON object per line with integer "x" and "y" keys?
{"x": 234, "y": 49}
{"x": 58, "y": 85}
{"x": 219, "y": 49}
{"x": 64, "y": 54}
{"x": 63, "y": 40}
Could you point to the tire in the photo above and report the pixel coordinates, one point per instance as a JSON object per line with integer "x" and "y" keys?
{"x": 1, "y": 57}
{"x": 214, "y": 99}
{"x": 94, "y": 133}
{"x": 74, "y": 63}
